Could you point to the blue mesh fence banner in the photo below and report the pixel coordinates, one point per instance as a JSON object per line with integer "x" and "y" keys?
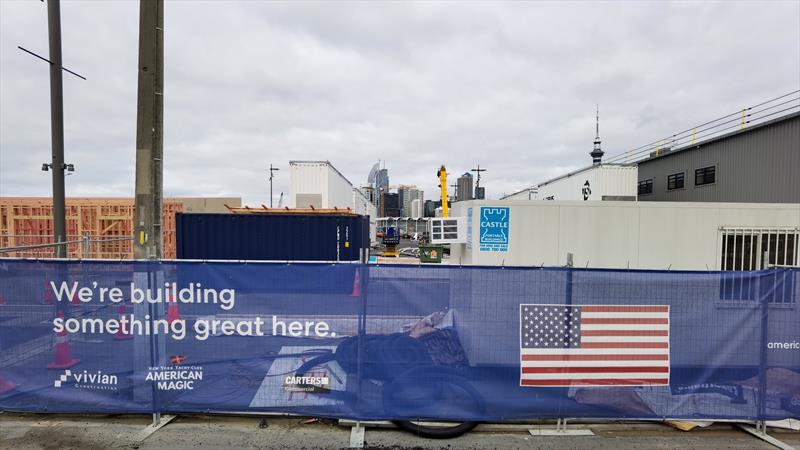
{"x": 398, "y": 341}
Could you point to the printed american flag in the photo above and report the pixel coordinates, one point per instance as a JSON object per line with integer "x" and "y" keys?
{"x": 594, "y": 345}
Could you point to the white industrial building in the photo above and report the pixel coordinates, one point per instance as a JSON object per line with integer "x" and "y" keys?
{"x": 597, "y": 182}
{"x": 635, "y": 235}
{"x": 318, "y": 184}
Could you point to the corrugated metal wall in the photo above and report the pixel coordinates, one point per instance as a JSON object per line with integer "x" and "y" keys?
{"x": 617, "y": 181}
{"x": 340, "y": 190}
{"x": 271, "y": 237}
{"x": 319, "y": 182}
{"x": 604, "y": 181}
{"x": 306, "y": 178}
{"x": 761, "y": 165}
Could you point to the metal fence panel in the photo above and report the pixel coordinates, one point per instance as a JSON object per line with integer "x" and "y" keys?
{"x": 397, "y": 341}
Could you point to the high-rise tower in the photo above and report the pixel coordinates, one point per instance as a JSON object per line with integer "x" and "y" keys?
{"x": 597, "y": 153}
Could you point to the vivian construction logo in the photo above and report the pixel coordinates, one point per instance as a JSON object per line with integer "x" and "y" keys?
{"x": 87, "y": 380}
{"x": 175, "y": 378}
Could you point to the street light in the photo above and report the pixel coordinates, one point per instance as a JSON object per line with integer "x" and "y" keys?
{"x": 271, "y": 176}
{"x": 68, "y": 167}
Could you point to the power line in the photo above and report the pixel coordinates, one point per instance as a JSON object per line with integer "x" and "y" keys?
{"x": 50, "y": 62}
{"x": 677, "y": 137}
{"x": 716, "y": 131}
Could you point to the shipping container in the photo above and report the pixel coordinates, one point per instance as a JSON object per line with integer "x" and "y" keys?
{"x": 107, "y": 222}
{"x": 272, "y": 237}
{"x": 362, "y": 206}
{"x": 598, "y": 182}
{"x": 318, "y": 184}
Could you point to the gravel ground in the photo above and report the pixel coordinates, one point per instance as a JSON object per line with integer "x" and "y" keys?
{"x": 86, "y": 432}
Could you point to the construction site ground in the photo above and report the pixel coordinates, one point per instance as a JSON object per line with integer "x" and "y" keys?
{"x": 85, "y": 432}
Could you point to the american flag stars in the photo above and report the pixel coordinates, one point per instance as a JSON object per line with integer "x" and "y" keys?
{"x": 551, "y": 327}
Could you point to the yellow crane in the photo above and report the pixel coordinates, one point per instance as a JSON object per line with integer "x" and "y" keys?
{"x": 442, "y": 174}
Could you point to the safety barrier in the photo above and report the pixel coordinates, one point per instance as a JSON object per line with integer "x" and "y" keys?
{"x": 398, "y": 341}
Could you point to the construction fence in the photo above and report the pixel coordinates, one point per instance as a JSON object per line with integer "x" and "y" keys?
{"x": 397, "y": 341}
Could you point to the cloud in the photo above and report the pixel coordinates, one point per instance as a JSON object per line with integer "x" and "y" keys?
{"x": 509, "y": 86}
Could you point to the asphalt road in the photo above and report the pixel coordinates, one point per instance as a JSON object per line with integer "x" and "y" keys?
{"x": 28, "y": 431}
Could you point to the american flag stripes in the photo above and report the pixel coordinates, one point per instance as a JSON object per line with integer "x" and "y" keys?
{"x": 594, "y": 345}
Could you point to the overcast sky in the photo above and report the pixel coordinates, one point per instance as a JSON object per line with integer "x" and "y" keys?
{"x": 509, "y": 86}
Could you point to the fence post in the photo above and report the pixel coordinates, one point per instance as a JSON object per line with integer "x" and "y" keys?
{"x": 567, "y": 302}
{"x": 85, "y": 245}
{"x": 762, "y": 378}
{"x": 363, "y": 278}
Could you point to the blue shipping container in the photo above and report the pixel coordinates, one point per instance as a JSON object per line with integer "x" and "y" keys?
{"x": 271, "y": 237}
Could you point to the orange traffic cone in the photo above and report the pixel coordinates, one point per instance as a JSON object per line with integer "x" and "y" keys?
{"x": 172, "y": 310}
{"x": 356, "y": 286}
{"x": 121, "y": 335}
{"x": 6, "y": 386}
{"x": 63, "y": 358}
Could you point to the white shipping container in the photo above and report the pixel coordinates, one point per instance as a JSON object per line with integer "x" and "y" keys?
{"x": 599, "y": 182}
{"x": 318, "y": 184}
{"x": 362, "y": 205}
{"x": 525, "y": 194}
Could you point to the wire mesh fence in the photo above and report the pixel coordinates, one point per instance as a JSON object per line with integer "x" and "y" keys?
{"x": 397, "y": 342}
{"x": 78, "y": 246}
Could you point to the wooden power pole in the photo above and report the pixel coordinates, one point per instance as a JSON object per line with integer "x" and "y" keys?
{"x": 148, "y": 239}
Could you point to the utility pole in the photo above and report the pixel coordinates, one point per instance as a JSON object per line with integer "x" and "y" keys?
{"x": 57, "y": 127}
{"x": 271, "y": 175}
{"x": 148, "y": 241}
{"x": 478, "y": 180}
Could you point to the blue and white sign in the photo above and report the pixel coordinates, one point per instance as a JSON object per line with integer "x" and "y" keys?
{"x": 494, "y": 229}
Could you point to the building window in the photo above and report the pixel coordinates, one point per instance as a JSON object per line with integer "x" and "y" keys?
{"x": 646, "y": 187}
{"x": 675, "y": 181}
{"x": 743, "y": 250}
{"x": 706, "y": 175}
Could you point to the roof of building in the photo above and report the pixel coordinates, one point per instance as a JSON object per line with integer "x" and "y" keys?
{"x": 292, "y": 211}
{"x": 567, "y": 175}
{"x": 699, "y": 144}
{"x": 326, "y": 163}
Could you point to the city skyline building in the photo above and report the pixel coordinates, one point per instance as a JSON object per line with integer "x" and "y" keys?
{"x": 408, "y": 193}
{"x": 464, "y": 189}
{"x": 390, "y": 206}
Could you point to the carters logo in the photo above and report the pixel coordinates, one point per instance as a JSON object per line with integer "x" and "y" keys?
{"x": 312, "y": 382}
{"x": 88, "y": 380}
{"x": 175, "y": 378}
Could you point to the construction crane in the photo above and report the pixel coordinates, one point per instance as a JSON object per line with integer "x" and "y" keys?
{"x": 442, "y": 175}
